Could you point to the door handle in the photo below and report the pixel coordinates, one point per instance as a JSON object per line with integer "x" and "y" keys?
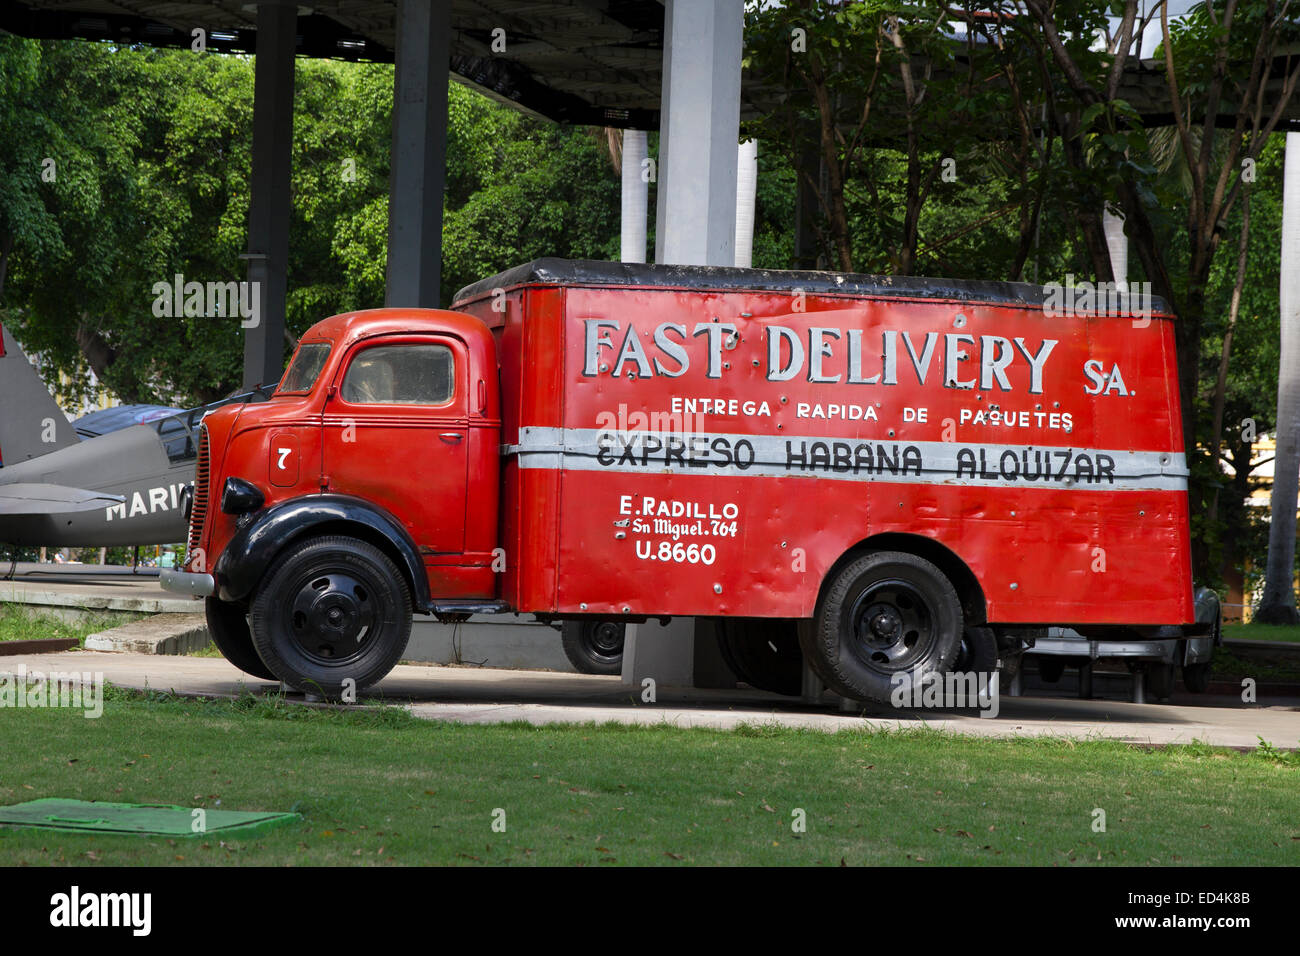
{"x": 451, "y": 436}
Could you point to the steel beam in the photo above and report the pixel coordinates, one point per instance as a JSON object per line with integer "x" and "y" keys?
{"x": 268, "y": 201}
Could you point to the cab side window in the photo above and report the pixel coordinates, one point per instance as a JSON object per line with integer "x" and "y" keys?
{"x": 401, "y": 375}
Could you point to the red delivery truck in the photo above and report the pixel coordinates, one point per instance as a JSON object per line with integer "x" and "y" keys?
{"x": 876, "y": 471}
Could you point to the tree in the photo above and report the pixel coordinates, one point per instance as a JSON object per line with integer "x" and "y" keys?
{"x": 123, "y": 223}
{"x": 1216, "y": 61}
{"x": 852, "y": 75}
{"x": 1242, "y": 405}
{"x": 152, "y": 151}
{"x": 523, "y": 189}
{"x": 30, "y": 118}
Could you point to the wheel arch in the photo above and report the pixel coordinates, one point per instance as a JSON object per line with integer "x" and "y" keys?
{"x": 246, "y": 559}
{"x": 973, "y": 604}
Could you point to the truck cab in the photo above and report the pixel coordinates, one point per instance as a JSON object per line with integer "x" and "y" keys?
{"x": 383, "y": 437}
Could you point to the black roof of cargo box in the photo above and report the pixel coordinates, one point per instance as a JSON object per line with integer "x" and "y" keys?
{"x": 588, "y": 272}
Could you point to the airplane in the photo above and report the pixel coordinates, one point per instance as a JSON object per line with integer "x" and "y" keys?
{"x": 121, "y": 481}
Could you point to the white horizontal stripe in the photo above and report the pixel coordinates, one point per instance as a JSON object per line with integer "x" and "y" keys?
{"x": 844, "y": 459}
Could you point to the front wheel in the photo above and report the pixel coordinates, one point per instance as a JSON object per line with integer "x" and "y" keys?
{"x": 884, "y": 617}
{"x": 333, "y": 616}
{"x": 228, "y": 628}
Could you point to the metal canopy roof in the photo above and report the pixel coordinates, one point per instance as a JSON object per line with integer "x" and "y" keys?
{"x": 593, "y": 62}
{"x": 589, "y": 62}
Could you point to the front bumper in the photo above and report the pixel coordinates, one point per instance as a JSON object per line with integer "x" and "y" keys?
{"x": 188, "y": 582}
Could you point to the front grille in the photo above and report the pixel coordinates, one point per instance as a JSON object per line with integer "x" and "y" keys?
{"x": 199, "y": 508}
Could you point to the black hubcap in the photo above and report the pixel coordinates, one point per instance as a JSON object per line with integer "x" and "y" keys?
{"x": 605, "y": 639}
{"x": 332, "y": 617}
{"x": 893, "y": 628}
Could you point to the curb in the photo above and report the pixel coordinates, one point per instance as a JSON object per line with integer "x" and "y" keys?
{"x": 161, "y": 634}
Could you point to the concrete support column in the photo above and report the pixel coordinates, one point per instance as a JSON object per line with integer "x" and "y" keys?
{"x": 1117, "y": 244}
{"x": 695, "y": 225}
{"x": 268, "y": 189}
{"x": 636, "y": 196}
{"x": 419, "y": 154}
{"x": 696, "y": 216}
{"x": 746, "y": 200}
{"x": 662, "y": 652}
{"x": 1278, "y": 602}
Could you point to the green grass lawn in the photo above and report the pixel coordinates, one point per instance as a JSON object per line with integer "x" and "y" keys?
{"x": 1262, "y": 632}
{"x": 19, "y": 623}
{"x": 381, "y": 787}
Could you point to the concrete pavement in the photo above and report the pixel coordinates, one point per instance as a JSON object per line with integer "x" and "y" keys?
{"x": 72, "y": 589}
{"x": 481, "y": 695}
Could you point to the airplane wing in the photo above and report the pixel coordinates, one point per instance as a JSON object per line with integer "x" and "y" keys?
{"x": 28, "y": 498}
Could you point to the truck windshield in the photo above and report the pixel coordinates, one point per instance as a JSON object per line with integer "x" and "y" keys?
{"x": 304, "y": 368}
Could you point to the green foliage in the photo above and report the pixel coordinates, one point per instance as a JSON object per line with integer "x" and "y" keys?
{"x": 521, "y": 189}
{"x": 149, "y": 183}
{"x": 151, "y": 156}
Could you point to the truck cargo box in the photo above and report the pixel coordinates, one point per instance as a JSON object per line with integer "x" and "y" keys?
{"x": 712, "y": 441}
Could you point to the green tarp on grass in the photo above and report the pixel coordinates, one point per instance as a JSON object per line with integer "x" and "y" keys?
{"x": 149, "y": 819}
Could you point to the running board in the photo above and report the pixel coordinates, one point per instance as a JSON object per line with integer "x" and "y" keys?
{"x": 468, "y": 607}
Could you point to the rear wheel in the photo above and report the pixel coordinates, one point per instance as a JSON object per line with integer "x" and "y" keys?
{"x": 882, "y": 616}
{"x": 228, "y": 627}
{"x": 978, "y": 653}
{"x": 763, "y": 652}
{"x": 1196, "y": 677}
{"x": 1051, "y": 669}
{"x": 332, "y": 610}
{"x": 594, "y": 647}
{"x": 1160, "y": 679}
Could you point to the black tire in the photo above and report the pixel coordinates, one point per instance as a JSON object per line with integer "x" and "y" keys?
{"x": 1050, "y": 669}
{"x": 978, "y": 653}
{"x": 883, "y": 615}
{"x": 1160, "y": 680}
{"x": 228, "y": 627}
{"x": 331, "y": 609}
{"x": 1196, "y": 677}
{"x": 763, "y": 652}
{"x": 594, "y": 647}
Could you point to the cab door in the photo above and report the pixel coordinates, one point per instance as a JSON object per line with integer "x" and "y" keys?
{"x": 396, "y": 433}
